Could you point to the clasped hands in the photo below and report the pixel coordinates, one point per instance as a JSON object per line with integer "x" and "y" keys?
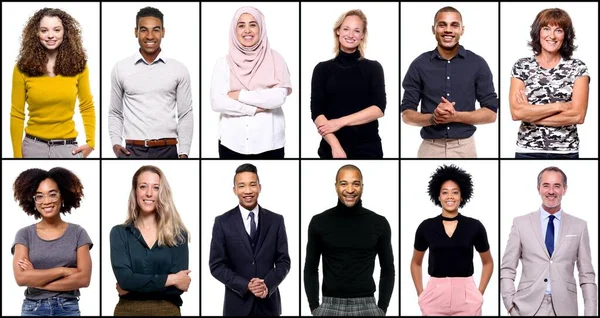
{"x": 330, "y": 126}
{"x": 258, "y": 287}
{"x": 444, "y": 112}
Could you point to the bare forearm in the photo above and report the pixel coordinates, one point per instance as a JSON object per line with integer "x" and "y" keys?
{"x": 562, "y": 119}
{"x": 482, "y": 115}
{"x": 364, "y": 116}
{"x": 330, "y": 138}
{"x": 486, "y": 274}
{"x": 39, "y": 277}
{"x": 71, "y": 282}
{"x": 414, "y": 118}
{"x": 417, "y": 276}
{"x": 531, "y": 113}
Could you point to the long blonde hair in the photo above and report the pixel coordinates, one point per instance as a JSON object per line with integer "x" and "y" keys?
{"x": 171, "y": 231}
{"x": 338, "y": 24}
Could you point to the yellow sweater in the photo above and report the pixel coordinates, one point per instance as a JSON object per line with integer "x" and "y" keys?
{"x": 51, "y": 106}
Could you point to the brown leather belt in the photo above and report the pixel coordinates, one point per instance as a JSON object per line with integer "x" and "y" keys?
{"x": 149, "y": 143}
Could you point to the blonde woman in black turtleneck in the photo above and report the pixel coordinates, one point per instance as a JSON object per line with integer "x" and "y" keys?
{"x": 348, "y": 94}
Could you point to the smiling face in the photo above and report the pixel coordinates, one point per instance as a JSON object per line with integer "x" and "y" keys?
{"x": 51, "y": 32}
{"x": 47, "y": 199}
{"x": 149, "y": 33}
{"x": 448, "y": 29}
{"x": 551, "y": 38}
{"x": 247, "y": 188}
{"x": 350, "y": 33}
{"x": 148, "y": 185}
{"x": 551, "y": 190}
{"x": 450, "y": 196}
{"x": 247, "y": 30}
{"x": 349, "y": 187}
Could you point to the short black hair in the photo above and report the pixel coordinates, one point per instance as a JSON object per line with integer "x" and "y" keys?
{"x": 454, "y": 173}
{"x": 446, "y": 9}
{"x": 149, "y": 12}
{"x": 27, "y": 183}
{"x": 246, "y": 167}
{"x": 349, "y": 167}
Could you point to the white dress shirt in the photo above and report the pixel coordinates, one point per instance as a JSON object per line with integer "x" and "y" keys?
{"x": 241, "y": 129}
{"x": 246, "y": 217}
{"x": 545, "y": 218}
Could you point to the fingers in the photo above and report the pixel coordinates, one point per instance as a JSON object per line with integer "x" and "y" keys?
{"x": 445, "y": 100}
{"x": 78, "y": 150}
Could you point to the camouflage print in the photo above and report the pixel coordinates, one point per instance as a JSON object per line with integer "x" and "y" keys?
{"x": 543, "y": 87}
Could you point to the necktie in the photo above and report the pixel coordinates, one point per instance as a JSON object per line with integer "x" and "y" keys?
{"x": 550, "y": 235}
{"x": 253, "y": 225}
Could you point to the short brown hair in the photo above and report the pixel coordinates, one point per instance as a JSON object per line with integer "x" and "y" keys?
{"x": 554, "y": 16}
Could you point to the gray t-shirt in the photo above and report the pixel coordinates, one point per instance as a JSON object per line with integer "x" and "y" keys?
{"x": 45, "y": 254}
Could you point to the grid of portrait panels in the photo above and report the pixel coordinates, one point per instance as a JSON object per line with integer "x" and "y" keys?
{"x": 299, "y": 158}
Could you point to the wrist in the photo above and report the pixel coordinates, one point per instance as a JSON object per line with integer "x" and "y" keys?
{"x": 432, "y": 121}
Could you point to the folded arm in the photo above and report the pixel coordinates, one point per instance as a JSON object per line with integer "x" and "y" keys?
{"x": 219, "y": 263}
{"x": 219, "y": 100}
{"x": 576, "y": 109}
{"x": 34, "y": 277}
{"x": 79, "y": 279}
{"x": 268, "y": 98}
{"x": 520, "y": 109}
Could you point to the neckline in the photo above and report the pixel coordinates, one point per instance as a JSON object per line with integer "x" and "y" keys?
{"x": 445, "y": 218}
{"x": 54, "y": 239}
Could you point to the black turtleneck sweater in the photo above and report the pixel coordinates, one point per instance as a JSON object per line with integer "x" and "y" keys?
{"x": 349, "y": 239}
{"x": 343, "y": 86}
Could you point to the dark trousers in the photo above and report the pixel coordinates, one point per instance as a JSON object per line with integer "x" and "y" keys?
{"x": 141, "y": 152}
{"x": 537, "y": 155}
{"x": 226, "y": 153}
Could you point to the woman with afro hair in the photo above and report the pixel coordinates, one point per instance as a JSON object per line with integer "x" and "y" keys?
{"x": 450, "y": 237}
{"x": 52, "y": 257}
{"x": 50, "y": 75}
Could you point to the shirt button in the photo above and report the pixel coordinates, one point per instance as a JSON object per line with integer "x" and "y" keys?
{"x": 448, "y": 127}
{"x": 551, "y": 262}
{"x": 545, "y": 280}
{"x": 448, "y": 62}
{"x": 253, "y": 263}
{"x": 448, "y": 77}
{"x": 447, "y": 94}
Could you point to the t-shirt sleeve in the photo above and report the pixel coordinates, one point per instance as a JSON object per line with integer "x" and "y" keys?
{"x": 421, "y": 243}
{"x": 581, "y": 70}
{"x": 83, "y": 238}
{"x": 21, "y": 238}
{"x": 518, "y": 71}
{"x": 480, "y": 240}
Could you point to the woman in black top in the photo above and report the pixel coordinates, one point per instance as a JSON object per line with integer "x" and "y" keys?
{"x": 348, "y": 94}
{"x": 450, "y": 238}
{"x": 149, "y": 252}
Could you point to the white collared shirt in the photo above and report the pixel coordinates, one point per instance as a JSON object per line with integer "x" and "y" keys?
{"x": 246, "y": 217}
{"x": 241, "y": 129}
{"x": 544, "y": 219}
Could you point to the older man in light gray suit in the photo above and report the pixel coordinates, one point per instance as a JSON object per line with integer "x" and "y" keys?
{"x": 548, "y": 242}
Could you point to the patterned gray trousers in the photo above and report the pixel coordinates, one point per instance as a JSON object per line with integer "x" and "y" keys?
{"x": 364, "y": 306}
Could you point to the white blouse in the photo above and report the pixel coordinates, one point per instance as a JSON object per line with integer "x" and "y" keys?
{"x": 241, "y": 129}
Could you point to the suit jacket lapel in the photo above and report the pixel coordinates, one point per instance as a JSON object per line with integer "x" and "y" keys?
{"x": 265, "y": 224}
{"x": 239, "y": 225}
{"x": 565, "y": 222}
{"x": 534, "y": 219}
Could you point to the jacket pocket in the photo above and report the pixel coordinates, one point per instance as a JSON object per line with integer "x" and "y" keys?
{"x": 572, "y": 287}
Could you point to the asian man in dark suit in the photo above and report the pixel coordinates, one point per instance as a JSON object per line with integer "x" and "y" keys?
{"x": 249, "y": 251}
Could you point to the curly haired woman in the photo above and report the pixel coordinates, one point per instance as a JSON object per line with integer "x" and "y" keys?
{"x": 50, "y": 74}
{"x": 52, "y": 257}
{"x": 450, "y": 238}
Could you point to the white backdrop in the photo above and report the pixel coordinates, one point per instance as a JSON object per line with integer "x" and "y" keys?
{"x": 116, "y": 184}
{"x": 380, "y": 195}
{"x": 480, "y": 37}
{"x": 416, "y": 207}
{"x": 13, "y": 219}
{"x": 519, "y": 196}
{"x": 180, "y": 43}
{"x": 279, "y": 182}
{"x": 382, "y": 46}
{"x": 14, "y": 18}
{"x": 282, "y": 23}
{"x": 516, "y": 20}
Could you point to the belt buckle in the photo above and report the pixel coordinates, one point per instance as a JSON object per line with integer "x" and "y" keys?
{"x": 57, "y": 142}
{"x": 146, "y": 143}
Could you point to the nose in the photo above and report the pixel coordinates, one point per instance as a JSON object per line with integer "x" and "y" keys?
{"x": 46, "y": 197}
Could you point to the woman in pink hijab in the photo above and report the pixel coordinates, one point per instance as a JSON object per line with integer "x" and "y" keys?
{"x": 249, "y": 85}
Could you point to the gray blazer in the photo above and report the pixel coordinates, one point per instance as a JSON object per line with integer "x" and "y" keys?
{"x": 525, "y": 243}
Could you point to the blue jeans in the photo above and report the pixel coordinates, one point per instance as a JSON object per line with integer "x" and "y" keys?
{"x": 55, "y": 306}
{"x": 538, "y": 155}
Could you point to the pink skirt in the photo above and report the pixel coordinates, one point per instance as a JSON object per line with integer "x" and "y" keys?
{"x": 451, "y": 296}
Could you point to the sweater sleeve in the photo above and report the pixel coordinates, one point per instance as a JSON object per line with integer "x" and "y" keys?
{"x": 377, "y": 95}
{"x": 17, "y": 112}
{"x": 387, "y": 276}
{"x": 311, "y": 266}
{"x": 86, "y": 107}
{"x": 317, "y": 92}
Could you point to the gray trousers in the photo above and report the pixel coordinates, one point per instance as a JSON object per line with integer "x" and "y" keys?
{"x": 364, "y": 306}
{"x": 38, "y": 149}
{"x": 546, "y": 308}
{"x": 141, "y": 152}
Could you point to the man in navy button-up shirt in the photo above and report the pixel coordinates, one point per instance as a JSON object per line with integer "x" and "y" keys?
{"x": 446, "y": 82}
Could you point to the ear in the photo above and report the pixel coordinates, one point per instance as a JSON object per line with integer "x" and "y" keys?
{"x": 235, "y": 193}
{"x": 565, "y": 192}
{"x": 163, "y": 32}
{"x": 259, "y": 188}
{"x": 462, "y": 30}
{"x": 135, "y": 32}
{"x": 433, "y": 29}
{"x": 337, "y": 32}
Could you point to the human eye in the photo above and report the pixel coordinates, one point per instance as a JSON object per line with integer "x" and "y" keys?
{"x": 156, "y": 188}
{"x": 39, "y": 197}
{"x": 53, "y": 195}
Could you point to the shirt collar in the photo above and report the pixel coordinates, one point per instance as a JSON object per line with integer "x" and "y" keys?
{"x": 245, "y": 212}
{"x": 544, "y": 215}
{"x": 462, "y": 52}
{"x": 137, "y": 57}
